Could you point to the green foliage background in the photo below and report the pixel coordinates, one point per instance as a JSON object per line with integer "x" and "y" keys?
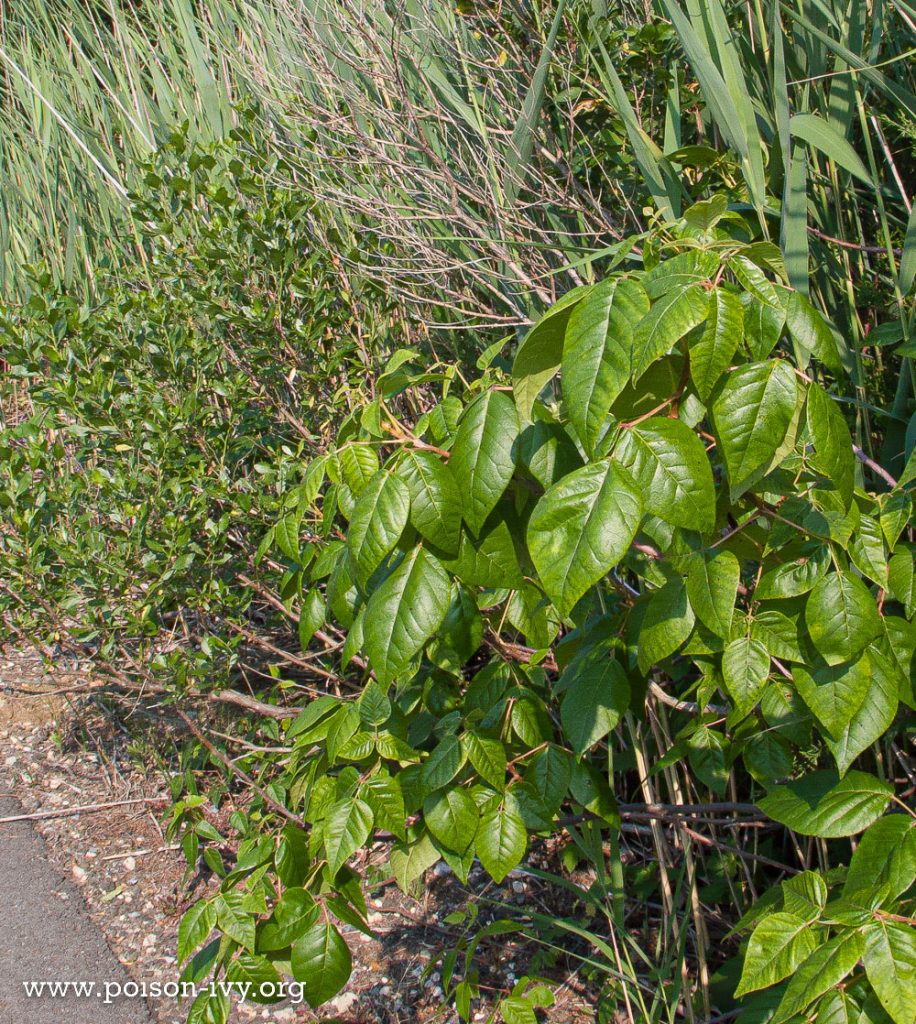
{"x": 509, "y": 413}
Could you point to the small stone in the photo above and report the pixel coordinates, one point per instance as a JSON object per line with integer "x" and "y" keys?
{"x": 55, "y": 783}
{"x": 345, "y": 1002}
{"x": 79, "y": 875}
{"x": 130, "y": 863}
{"x": 518, "y": 886}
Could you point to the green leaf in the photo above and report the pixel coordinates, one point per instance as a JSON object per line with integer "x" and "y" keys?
{"x": 359, "y": 464}
{"x": 374, "y": 705}
{"x": 549, "y": 774}
{"x": 517, "y": 1010}
{"x": 778, "y": 633}
{"x": 669, "y": 319}
{"x": 346, "y": 830}
{"x": 745, "y": 669}
{"x": 824, "y": 805}
{"x": 890, "y": 964}
{"x": 824, "y": 968}
{"x": 777, "y": 946}
{"x": 712, "y": 588}
{"x": 383, "y": 795}
{"x": 811, "y": 332}
{"x": 196, "y": 924}
{"x": 597, "y": 695}
{"x": 872, "y": 718}
{"x": 541, "y": 352}
{"x": 884, "y": 862}
{"x": 833, "y": 693}
{"x": 763, "y": 324}
{"x": 435, "y": 501}
{"x": 841, "y": 616}
{"x": 256, "y": 976}
{"x": 409, "y": 862}
{"x": 483, "y": 459}
{"x": 866, "y": 550}
{"x": 666, "y": 624}
{"x": 596, "y": 353}
{"x": 488, "y": 757}
{"x": 404, "y": 612}
{"x": 489, "y": 560}
{"x": 322, "y": 962}
{"x": 901, "y": 579}
{"x": 446, "y": 760}
{"x": 581, "y": 528}
{"x": 234, "y": 920}
{"x": 311, "y": 617}
{"x": 711, "y": 354}
{"x": 833, "y": 456}
{"x": 295, "y": 912}
{"x": 452, "y": 817}
{"x": 796, "y": 576}
{"x": 681, "y": 271}
{"x": 752, "y": 416}
{"x": 669, "y": 464}
{"x": 286, "y": 536}
{"x": 825, "y": 138}
{"x": 377, "y": 522}
{"x": 502, "y": 839}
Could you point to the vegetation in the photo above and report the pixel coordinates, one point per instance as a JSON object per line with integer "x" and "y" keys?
{"x": 510, "y": 414}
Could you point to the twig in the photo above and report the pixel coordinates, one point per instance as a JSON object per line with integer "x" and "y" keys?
{"x": 142, "y": 853}
{"x": 66, "y": 812}
{"x": 874, "y": 467}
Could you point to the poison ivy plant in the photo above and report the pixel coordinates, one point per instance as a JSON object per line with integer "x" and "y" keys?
{"x": 514, "y": 572}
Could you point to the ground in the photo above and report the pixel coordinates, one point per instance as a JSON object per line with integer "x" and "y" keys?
{"x": 62, "y": 752}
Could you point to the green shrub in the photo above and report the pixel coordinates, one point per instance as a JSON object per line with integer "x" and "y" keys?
{"x": 152, "y": 434}
{"x": 658, "y": 523}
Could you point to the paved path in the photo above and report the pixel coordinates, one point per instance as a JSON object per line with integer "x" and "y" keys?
{"x": 44, "y": 937}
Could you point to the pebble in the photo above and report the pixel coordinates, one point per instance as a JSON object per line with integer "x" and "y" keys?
{"x": 79, "y": 874}
{"x": 518, "y": 886}
{"x": 130, "y": 863}
{"x": 345, "y": 1002}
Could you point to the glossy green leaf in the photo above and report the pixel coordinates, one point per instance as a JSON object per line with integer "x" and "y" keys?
{"x": 712, "y": 353}
{"x": 712, "y": 588}
{"x": 321, "y": 961}
{"x": 483, "y": 460}
{"x": 488, "y": 757}
{"x": 377, "y": 522}
{"x": 541, "y": 352}
{"x": 841, "y": 616}
{"x": 884, "y": 862}
{"x": 777, "y": 946}
{"x": 666, "y": 624}
{"x": 745, "y": 669}
{"x": 669, "y": 319}
{"x": 383, "y": 794}
{"x": 452, "y": 817}
{"x": 597, "y": 693}
{"x": 832, "y": 441}
{"x": 345, "y": 831}
{"x": 502, "y": 839}
{"x": 822, "y": 804}
{"x": 824, "y": 968}
{"x": 597, "y": 353}
{"x": 901, "y": 579}
{"x": 404, "y": 612}
{"x": 752, "y": 415}
{"x": 581, "y": 528}
{"x": 294, "y": 913}
{"x": 834, "y": 693}
{"x": 872, "y": 718}
{"x": 435, "y": 501}
{"x": 669, "y": 464}
{"x": 890, "y": 964}
{"x": 195, "y": 925}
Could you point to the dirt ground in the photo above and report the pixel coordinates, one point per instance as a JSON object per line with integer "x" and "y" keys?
{"x": 59, "y": 752}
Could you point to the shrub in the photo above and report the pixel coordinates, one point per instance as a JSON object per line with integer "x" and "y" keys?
{"x": 656, "y": 527}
